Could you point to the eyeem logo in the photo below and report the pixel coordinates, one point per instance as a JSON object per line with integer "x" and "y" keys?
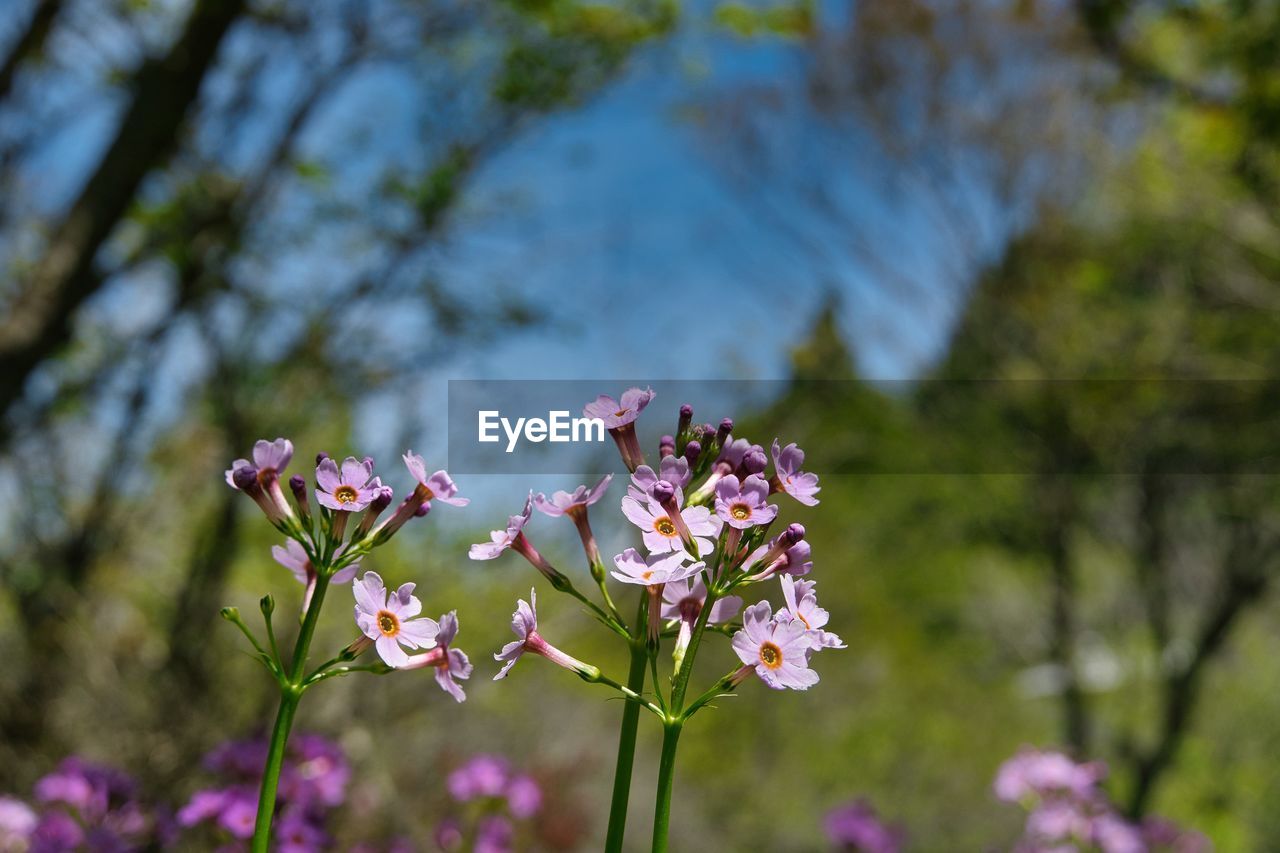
{"x": 558, "y": 428}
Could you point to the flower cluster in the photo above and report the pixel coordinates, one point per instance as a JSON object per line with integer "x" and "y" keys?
{"x": 323, "y": 548}
{"x": 703, "y": 512}
{"x": 80, "y": 805}
{"x": 313, "y": 781}
{"x": 1068, "y": 809}
{"x": 856, "y": 828}
{"x": 492, "y": 800}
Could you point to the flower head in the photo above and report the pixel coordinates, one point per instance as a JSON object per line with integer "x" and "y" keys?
{"x": 438, "y": 486}
{"x": 802, "y": 605}
{"x": 856, "y": 826}
{"x": 672, "y": 469}
{"x": 270, "y": 458}
{"x": 778, "y": 649}
{"x": 449, "y": 663}
{"x": 744, "y": 504}
{"x": 1033, "y": 773}
{"x": 17, "y": 824}
{"x": 501, "y": 540}
{"x": 789, "y": 478}
{"x": 350, "y": 489}
{"x": 568, "y": 502}
{"x": 684, "y": 599}
{"x": 617, "y": 413}
{"x": 524, "y": 624}
{"x": 660, "y": 532}
{"x": 654, "y": 569}
{"x": 389, "y": 619}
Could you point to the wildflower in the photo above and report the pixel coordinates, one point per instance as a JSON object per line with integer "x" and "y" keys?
{"x": 683, "y": 600}
{"x": 787, "y": 553}
{"x": 449, "y": 663}
{"x": 260, "y": 479}
{"x": 570, "y": 503}
{"x": 438, "y": 486}
{"x": 389, "y": 620}
{"x": 744, "y": 505}
{"x": 270, "y": 458}
{"x": 655, "y": 569}
{"x": 17, "y": 824}
{"x": 776, "y": 649}
{"x": 350, "y": 489}
{"x": 501, "y": 540}
{"x": 802, "y": 604}
{"x": 524, "y": 622}
{"x": 297, "y": 833}
{"x": 482, "y": 776}
{"x": 661, "y": 532}
{"x": 524, "y": 796}
{"x": 788, "y": 478}
{"x": 672, "y": 469}
{"x": 294, "y": 558}
{"x": 857, "y": 827}
{"x": 494, "y": 834}
{"x": 1032, "y": 773}
{"x": 619, "y": 418}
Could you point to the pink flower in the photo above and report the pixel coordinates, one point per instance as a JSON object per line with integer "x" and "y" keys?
{"x": 787, "y": 553}
{"x": 683, "y": 599}
{"x": 1032, "y": 773}
{"x": 672, "y": 469}
{"x": 655, "y": 569}
{"x": 524, "y": 796}
{"x": 350, "y": 490}
{"x": 438, "y": 486}
{"x": 778, "y": 650}
{"x": 661, "y": 534}
{"x": 562, "y": 502}
{"x": 269, "y": 457}
{"x": 616, "y": 413}
{"x": 450, "y": 663}
{"x": 17, "y": 823}
{"x": 503, "y": 539}
{"x": 294, "y": 558}
{"x": 802, "y": 604}
{"x": 744, "y": 505}
{"x": 789, "y": 478}
{"x": 388, "y": 619}
{"x": 524, "y": 623}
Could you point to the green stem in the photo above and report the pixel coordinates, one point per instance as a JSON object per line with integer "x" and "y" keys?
{"x": 290, "y": 694}
{"x": 627, "y": 740}
{"x": 675, "y": 722}
{"x": 666, "y": 778}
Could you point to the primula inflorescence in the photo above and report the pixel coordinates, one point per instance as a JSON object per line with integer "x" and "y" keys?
{"x": 704, "y": 514}
{"x": 325, "y": 546}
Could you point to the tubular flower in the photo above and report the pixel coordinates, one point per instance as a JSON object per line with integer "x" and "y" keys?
{"x": 524, "y": 623}
{"x": 449, "y": 663}
{"x": 349, "y": 490}
{"x": 802, "y": 604}
{"x": 778, "y": 650}
{"x": 662, "y": 534}
{"x": 787, "y": 476}
{"x": 654, "y": 569}
{"x": 744, "y": 504}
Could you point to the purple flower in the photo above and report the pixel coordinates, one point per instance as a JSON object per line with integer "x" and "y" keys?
{"x": 524, "y": 797}
{"x": 563, "y": 502}
{"x": 661, "y": 534}
{"x": 524, "y": 624}
{"x": 389, "y": 619}
{"x": 349, "y": 490}
{"x": 789, "y": 478}
{"x": 1032, "y": 773}
{"x": 318, "y": 773}
{"x": 857, "y": 827}
{"x": 672, "y": 469}
{"x": 802, "y": 604}
{"x": 438, "y": 486}
{"x": 270, "y": 458}
{"x": 501, "y": 540}
{"x": 744, "y": 505}
{"x": 57, "y": 832}
{"x": 784, "y": 554}
{"x": 203, "y": 805}
{"x": 450, "y": 663}
{"x": 17, "y": 824}
{"x": 240, "y": 812}
{"x": 776, "y": 649}
{"x": 494, "y": 834}
{"x": 295, "y": 833}
{"x": 655, "y": 569}
{"x": 482, "y": 776}
{"x": 294, "y": 558}
{"x": 683, "y": 600}
{"x": 616, "y": 413}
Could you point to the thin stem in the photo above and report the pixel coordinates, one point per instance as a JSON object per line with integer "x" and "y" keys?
{"x": 321, "y": 675}
{"x": 627, "y": 743}
{"x": 290, "y": 694}
{"x": 666, "y": 778}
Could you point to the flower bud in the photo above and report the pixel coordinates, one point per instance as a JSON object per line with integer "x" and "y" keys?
{"x": 726, "y": 428}
{"x": 246, "y": 479}
{"x": 754, "y": 462}
{"x": 320, "y": 457}
{"x": 793, "y": 534}
{"x": 692, "y": 451}
{"x": 663, "y": 492}
{"x": 667, "y": 446}
{"x": 686, "y": 418}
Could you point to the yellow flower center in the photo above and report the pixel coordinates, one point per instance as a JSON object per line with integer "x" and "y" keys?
{"x": 770, "y": 655}
{"x": 740, "y": 511}
{"x": 388, "y": 624}
{"x": 620, "y": 413}
{"x": 665, "y": 526}
{"x": 345, "y": 494}
{"x": 646, "y": 574}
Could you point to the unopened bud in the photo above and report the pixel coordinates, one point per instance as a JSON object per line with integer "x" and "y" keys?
{"x": 667, "y": 446}
{"x": 726, "y": 428}
{"x": 754, "y": 462}
{"x": 692, "y": 451}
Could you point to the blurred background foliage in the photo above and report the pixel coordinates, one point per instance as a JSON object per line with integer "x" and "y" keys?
{"x": 222, "y": 220}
